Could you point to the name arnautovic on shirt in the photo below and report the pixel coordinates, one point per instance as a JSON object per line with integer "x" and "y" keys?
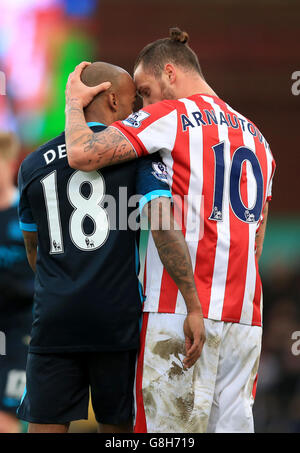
{"x": 209, "y": 117}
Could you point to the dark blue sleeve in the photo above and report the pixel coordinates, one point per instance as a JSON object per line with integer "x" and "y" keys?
{"x": 152, "y": 179}
{"x": 26, "y": 220}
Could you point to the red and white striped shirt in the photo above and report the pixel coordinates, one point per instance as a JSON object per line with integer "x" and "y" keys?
{"x": 220, "y": 171}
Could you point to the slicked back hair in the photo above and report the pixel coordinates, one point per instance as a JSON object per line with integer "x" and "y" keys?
{"x": 174, "y": 50}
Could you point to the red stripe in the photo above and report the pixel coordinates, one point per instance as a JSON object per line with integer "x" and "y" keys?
{"x": 239, "y": 243}
{"x": 262, "y": 157}
{"x": 254, "y": 386}
{"x": 136, "y": 143}
{"x": 156, "y": 111}
{"x": 180, "y": 186}
{"x": 206, "y": 251}
{"x": 140, "y": 422}
{"x": 256, "y": 316}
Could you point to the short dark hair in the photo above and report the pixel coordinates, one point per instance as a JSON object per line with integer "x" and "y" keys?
{"x": 173, "y": 49}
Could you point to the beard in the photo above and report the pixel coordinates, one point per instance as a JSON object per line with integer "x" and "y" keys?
{"x": 167, "y": 92}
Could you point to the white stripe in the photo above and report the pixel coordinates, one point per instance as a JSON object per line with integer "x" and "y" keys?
{"x": 161, "y": 134}
{"x": 247, "y": 307}
{"x": 154, "y": 272}
{"x": 194, "y": 220}
{"x": 269, "y": 174}
{"x": 154, "y": 267}
{"x": 223, "y": 230}
{"x": 167, "y": 159}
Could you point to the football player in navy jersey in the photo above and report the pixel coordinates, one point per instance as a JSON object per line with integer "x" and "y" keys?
{"x": 81, "y": 241}
{"x": 16, "y": 290}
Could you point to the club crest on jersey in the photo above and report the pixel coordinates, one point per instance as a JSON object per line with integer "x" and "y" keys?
{"x": 89, "y": 243}
{"x": 136, "y": 119}
{"x": 216, "y": 214}
{"x": 56, "y": 246}
{"x": 249, "y": 217}
{"x": 160, "y": 171}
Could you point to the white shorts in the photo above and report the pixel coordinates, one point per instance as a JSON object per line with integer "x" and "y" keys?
{"x": 216, "y": 395}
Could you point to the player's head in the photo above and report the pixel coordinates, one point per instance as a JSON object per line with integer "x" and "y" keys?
{"x": 118, "y": 101}
{"x": 162, "y": 64}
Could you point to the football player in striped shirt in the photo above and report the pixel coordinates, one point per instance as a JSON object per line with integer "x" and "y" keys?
{"x": 81, "y": 233}
{"x": 220, "y": 170}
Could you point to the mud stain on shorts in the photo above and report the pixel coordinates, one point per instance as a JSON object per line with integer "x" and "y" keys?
{"x": 165, "y": 348}
{"x": 213, "y": 341}
{"x": 168, "y": 387}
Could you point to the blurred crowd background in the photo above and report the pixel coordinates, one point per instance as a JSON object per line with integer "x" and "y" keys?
{"x": 248, "y": 52}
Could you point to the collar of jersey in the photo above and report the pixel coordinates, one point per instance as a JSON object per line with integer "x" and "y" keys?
{"x": 94, "y": 123}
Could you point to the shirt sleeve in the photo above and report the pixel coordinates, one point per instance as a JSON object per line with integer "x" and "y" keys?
{"x": 151, "y": 179}
{"x": 151, "y": 129}
{"x": 26, "y": 220}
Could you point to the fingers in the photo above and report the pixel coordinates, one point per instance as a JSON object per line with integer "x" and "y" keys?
{"x": 76, "y": 89}
{"x": 100, "y": 88}
{"x": 77, "y": 71}
{"x": 80, "y": 67}
{"x": 193, "y": 350}
{"x": 76, "y": 75}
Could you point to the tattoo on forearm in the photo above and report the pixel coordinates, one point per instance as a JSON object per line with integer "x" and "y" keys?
{"x": 109, "y": 139}
{"x": 175, "y": 257}
{"x": 173, "y": 250}
{"x": 106, "y": 147}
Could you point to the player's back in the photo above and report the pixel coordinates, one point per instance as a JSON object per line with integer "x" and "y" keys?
{"x": 220, "y": 171}
{"x": 226, "y": 172}
{"x": 86, "y": 291}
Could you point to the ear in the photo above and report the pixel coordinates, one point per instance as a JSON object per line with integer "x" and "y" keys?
{"x": 170, "y": 73}
{"x": 112, "y": 101}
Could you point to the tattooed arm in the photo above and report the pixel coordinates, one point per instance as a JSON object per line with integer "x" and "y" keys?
{"x": 87, "y": 150}
{"x": 174, "y": 255}
{"x": 30, "y": 239}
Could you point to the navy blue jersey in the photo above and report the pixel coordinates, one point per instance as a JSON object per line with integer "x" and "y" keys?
{"x": 16, "y": 276}
{"x": 87, "y": 294}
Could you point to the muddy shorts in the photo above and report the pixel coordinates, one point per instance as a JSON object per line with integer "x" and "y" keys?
{"x": 215, "y": 395}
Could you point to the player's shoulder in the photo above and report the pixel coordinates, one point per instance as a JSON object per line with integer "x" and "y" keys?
{"x": 165, "y": 106}
{"x": 36, "y": 158}
{"x": 59, "y": 139}
{"x": 148, "y": 115}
